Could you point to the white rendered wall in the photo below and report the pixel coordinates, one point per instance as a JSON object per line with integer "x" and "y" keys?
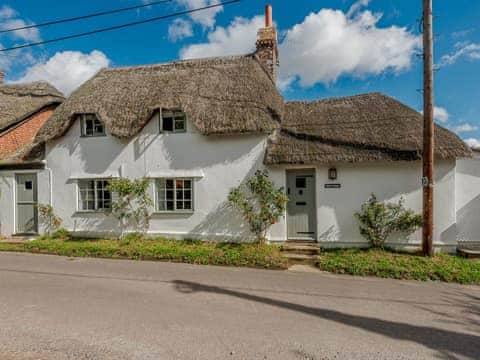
{"x": 468, "y": 199}
{"x": 225, "y": 162}
{"x": 336, "y": 224}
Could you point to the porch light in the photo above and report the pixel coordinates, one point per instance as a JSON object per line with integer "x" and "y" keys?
{"x": 332, "y": 174}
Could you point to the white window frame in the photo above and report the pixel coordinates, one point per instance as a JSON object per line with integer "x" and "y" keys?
{"x": 175, "y": 210}
{"x": 175, "y": 115}
{"x": 95, "y": 198}
{"x": 83, "y": 125}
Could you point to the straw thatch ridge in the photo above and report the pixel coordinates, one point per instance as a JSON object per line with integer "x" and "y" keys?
{"x": 222, "y": 95}
{"x": 19, "y": 101}
{"x": 367, "y": 127}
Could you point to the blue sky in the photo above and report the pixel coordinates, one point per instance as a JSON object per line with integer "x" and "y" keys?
{"x": 328, "y": 47}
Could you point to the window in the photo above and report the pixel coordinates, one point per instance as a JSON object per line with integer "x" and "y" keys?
{"x": 91, "y": 125}
{"x": 174, "y": 195}
{"x": 93, "y": 195}
{"x": 173, "y": 121}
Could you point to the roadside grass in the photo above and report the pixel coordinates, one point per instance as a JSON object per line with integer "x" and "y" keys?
{"x": 159, "y": 249}
{"x": 387, "y": 264}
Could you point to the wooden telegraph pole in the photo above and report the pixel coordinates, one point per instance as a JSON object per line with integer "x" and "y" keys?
{"x": 428, "y": 130}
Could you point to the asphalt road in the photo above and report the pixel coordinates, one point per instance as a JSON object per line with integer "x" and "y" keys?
{"x": 59, "y": 308}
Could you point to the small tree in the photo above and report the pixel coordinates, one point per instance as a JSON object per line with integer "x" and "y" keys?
{"x": 260, "y": 202}
{"x": 48, "y": 218}
{"x": 131, "y": 203}
{"x": 379, "y": 220}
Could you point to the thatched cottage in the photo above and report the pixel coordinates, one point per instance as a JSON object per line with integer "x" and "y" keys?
{"x": 199, "y": 127}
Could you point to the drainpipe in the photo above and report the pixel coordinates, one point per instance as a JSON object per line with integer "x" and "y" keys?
{"x": 50, "y": 181}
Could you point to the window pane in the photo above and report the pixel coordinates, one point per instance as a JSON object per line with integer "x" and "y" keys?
{"x": 187, "y": 205}
{"x": 167, "y": 124}
{"x": 188, "y": 184}
{"x": 180, "y": 125}
{"x": 179, "y": 205}
{"x": 187, "y": 195}
{"x": 170, "y": 206}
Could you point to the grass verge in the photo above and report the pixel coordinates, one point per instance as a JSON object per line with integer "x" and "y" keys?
{"x": 192, "y": 252}
{"x": 385, "y": 264}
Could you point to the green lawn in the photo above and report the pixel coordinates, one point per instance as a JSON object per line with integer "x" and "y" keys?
{"x": 387, "y": 264}
{"x": 193, "y": 252}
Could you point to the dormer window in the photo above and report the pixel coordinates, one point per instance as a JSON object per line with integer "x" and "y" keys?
{"x": 91, "y": 126}
{"x": 173, "y": 121}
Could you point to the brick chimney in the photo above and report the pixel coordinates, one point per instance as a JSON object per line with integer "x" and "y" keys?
{"x": 2, "y": 75}
{"x": 267, "y": 44}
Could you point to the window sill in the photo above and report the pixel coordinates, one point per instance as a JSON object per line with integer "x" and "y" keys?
{"x": 187, "y": 212}
{"x": 104, "y": 212}
{"x": 92, "y": 136}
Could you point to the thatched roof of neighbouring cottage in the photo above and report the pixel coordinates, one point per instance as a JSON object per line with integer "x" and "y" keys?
{"x": 18, "y": 101}
{"x": 368, "y": 127}
{"x": 223, "y": 95}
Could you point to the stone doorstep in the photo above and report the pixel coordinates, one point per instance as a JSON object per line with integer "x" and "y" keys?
{"x": 17, "y": 239}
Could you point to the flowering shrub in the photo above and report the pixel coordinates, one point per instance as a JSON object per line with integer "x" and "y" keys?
{"x": 131, "y": 203}
{"x": 378, "y": 220}
{"x": 260, "y": 202}
{"x": 48, "y": 218}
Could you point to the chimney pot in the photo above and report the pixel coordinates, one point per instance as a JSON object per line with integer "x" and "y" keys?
{"x": 268, "y": 16}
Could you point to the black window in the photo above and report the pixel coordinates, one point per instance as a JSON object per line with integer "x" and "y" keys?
{"x": 173, "y": 121}
{"x": 91, "y": 125}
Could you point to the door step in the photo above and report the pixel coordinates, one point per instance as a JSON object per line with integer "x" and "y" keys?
{"x": 304, "y": 249}
{"x": 301, "y": 252}
{"x": 17, "y": 239}
{"x": 294, "y": 258}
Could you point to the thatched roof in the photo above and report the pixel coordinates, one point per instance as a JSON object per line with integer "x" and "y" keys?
{"x": 220, "y": 95}
{"x": 18, "y": 101}
{"x": 367, "y": 127}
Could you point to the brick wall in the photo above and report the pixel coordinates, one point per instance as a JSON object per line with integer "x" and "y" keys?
{"x": 24, "y": 133}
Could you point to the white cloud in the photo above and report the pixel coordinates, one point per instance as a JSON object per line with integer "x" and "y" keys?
{"x": 470, "y": 51}
{"x": 356, "y": 6}
{"x": 440, "y": 114}
{"x": 179, "y": 29}
{"x": 328, "y": 44}
{"x": 9, "y": 19}
{"x": 238, "y": 38}
{"x": 473, "y": 143}
{"x": 464, "y": 128}
{"x": 206, "y": 18}
{"x": 67, "y": 70}
{"x": 325, "y": 46}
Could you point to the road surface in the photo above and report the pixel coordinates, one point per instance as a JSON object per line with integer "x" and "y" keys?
{"x": 60, "y": 308}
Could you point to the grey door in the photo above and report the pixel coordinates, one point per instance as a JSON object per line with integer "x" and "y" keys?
{"x": 26, "y": 210}
{"x": 301, "y": 212}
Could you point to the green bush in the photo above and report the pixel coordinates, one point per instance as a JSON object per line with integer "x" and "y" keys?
{"x": 138, "y": 248}
{"x": 378, "y": 220}
{"x": 260, "y": 203}
{"x": 388, "y": 264}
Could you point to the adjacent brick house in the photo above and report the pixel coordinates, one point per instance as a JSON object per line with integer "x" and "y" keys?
{"x": 24, "y": 108}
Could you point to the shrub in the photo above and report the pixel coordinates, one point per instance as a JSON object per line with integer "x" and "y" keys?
{"x": 260, "y": 202}
{"x": 379, "y": 220}
{"x": 132, "y": 203}
{"x": 48, "y": 218}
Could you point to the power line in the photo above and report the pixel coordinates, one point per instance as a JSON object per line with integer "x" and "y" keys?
{"x": 102, "y": 13}
{"x": 117, "y": 27}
